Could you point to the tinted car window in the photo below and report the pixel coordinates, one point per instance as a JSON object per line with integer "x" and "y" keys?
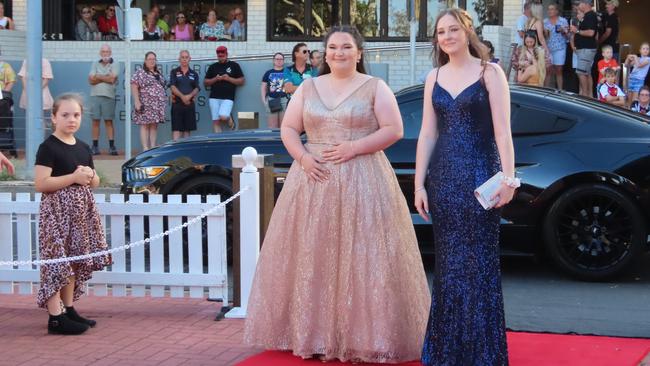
{"x": 411, "y": 117}
{"x": 528, "y": 120}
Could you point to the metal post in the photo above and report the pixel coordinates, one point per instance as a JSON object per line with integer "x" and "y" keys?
{"x": 249, "y": 224}
{"x": 127, "y": 87}
{"x": 34, "y": 132}
{"x": 413, "y": 33}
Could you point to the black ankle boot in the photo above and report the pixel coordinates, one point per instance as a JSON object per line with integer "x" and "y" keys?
{"x": 61, "y": 324}
{"x": 72, "y": 314}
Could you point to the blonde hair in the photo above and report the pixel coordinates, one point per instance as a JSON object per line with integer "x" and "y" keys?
{"x": 476, "y": 47}
{"x": 538, "y": 53}
{"x": 537, "y": 14}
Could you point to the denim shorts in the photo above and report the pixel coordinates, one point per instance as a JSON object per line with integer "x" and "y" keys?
{"x": 634, "y": 85}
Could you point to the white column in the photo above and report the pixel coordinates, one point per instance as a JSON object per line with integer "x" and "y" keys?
{"x": 249, "y": 228}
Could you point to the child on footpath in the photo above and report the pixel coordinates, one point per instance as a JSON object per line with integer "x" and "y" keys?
{"x": 608, "y": 62}
{"x": 69, "y": 223}
{"x": 609, "y": 92}
{"x": 640, "y": 65}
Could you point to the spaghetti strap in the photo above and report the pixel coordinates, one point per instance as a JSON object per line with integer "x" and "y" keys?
{"x": 437, "y": 72}
{"x": 485, "y": 63}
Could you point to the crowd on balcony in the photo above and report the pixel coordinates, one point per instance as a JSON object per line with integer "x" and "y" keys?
{"x": 189, "y": 24}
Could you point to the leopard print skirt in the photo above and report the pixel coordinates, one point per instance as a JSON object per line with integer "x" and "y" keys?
{"x": 69, "y": 225}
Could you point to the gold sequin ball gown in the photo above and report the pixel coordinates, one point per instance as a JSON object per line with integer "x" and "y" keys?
{"x": 340, "y": 275}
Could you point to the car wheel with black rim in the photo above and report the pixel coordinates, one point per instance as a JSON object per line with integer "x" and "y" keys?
{"x": 594, "y": 232}
{"x": 211, "y": 185}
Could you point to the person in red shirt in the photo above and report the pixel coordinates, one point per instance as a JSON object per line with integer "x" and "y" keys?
{"x": 107, "y": 24}
{"x": 608, "y": 62}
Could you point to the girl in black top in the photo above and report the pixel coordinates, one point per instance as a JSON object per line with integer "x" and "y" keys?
{"x": 69, "y": 223}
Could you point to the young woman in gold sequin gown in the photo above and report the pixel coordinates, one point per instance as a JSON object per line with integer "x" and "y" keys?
{"x": 340, "y": 275}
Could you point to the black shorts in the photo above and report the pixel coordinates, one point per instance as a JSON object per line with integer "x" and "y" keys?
{"x": 183, "y": 117}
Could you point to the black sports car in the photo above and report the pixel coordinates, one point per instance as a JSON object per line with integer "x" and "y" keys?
{"x": 584, "y": 165}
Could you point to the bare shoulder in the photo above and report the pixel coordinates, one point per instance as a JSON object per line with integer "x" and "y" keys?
{"x": 432, "y": 75}
{"x": 494, "y": 75}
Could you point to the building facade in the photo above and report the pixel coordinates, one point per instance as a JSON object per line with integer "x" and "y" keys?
{"x": 271, "y": 26}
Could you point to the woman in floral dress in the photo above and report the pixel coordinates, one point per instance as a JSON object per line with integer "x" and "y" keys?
{"x": 150, "y": 100}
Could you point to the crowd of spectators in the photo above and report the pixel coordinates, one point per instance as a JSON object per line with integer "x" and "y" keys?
{"x": 543, "y": 46}
{"x": 96, "y": 24}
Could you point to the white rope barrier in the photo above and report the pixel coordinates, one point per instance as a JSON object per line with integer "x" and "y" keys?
{"x": 192, "y": 221}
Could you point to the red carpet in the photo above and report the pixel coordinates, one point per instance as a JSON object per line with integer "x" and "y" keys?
{"x": 524, "y": 349}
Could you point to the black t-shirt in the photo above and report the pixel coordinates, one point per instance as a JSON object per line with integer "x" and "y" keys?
{"x": 223, "y": 89}
{"x": 590, "y": 21}
{"x": 185, "y": 83}
{"x": 63, "y": 158}
{"x": 611, "y": 21}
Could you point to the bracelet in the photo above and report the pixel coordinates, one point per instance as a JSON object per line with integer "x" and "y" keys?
{"x": 512, "y": 182}
{"x": 419, "y": 189}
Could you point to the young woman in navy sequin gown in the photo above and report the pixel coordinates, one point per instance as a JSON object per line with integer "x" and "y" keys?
{"x": 465, "y": 139}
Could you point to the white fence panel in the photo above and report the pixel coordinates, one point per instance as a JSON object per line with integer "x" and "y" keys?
{"x": 7, "y": 244}
{"x": 24, "y": 236}
{"x": 175, "y": 246}
{"x": 156, "y": 247}
{"x": 130, "y": 271}
{"x": 136, "y": 226}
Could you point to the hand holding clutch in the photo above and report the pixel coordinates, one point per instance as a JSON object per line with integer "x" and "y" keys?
{"x": 489, "y": 193}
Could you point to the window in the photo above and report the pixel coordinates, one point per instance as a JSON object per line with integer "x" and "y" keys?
{"x": 70, "y": 20}
{"x": 411, "y": 118}
{"x": 365, "y": 15}
{"x": 377, "y": 20}
{"x": 533, "y": 121}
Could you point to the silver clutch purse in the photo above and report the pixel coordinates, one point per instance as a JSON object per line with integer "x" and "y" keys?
{"x": 486, "y": 190}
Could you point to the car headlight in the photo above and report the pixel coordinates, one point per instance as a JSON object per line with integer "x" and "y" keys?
{"x": 145, "y": 173}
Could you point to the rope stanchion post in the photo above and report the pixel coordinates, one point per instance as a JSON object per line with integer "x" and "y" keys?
{"x": 249, "y": 224}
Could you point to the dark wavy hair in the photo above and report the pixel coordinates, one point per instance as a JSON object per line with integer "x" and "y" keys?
{"x": 358, "y": 40}
{"x": 295, "y": 49}
{"x": 476, "y": 47}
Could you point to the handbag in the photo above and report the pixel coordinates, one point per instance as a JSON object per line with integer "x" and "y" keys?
{"x": 275, "y": 105}
{"x": 486, "y": 190}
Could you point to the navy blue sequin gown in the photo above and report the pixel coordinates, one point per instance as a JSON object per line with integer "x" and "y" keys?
{"x": 466, "y": 324}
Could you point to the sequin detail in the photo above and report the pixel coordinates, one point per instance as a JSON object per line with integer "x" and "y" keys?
{"x": 340, "y": 274}
{"x": 466, "y": 325}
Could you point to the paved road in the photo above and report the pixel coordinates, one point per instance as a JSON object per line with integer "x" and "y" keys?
{"x": 539, "y": 298}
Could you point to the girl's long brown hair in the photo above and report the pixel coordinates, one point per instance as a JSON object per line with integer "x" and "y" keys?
{"x": 476, "y": 47}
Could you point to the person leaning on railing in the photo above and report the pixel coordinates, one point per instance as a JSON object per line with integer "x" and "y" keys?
{"x": 107, "y": 24}
{"x": 5, "y": 22}
{"x": 86, "y": 29}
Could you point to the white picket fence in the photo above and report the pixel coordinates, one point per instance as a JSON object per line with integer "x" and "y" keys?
{"x": 132, "y": 271}
{"x": 131, "y": 268}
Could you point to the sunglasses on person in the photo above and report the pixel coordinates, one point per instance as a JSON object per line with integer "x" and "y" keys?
{"x": 305, "y": 51}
